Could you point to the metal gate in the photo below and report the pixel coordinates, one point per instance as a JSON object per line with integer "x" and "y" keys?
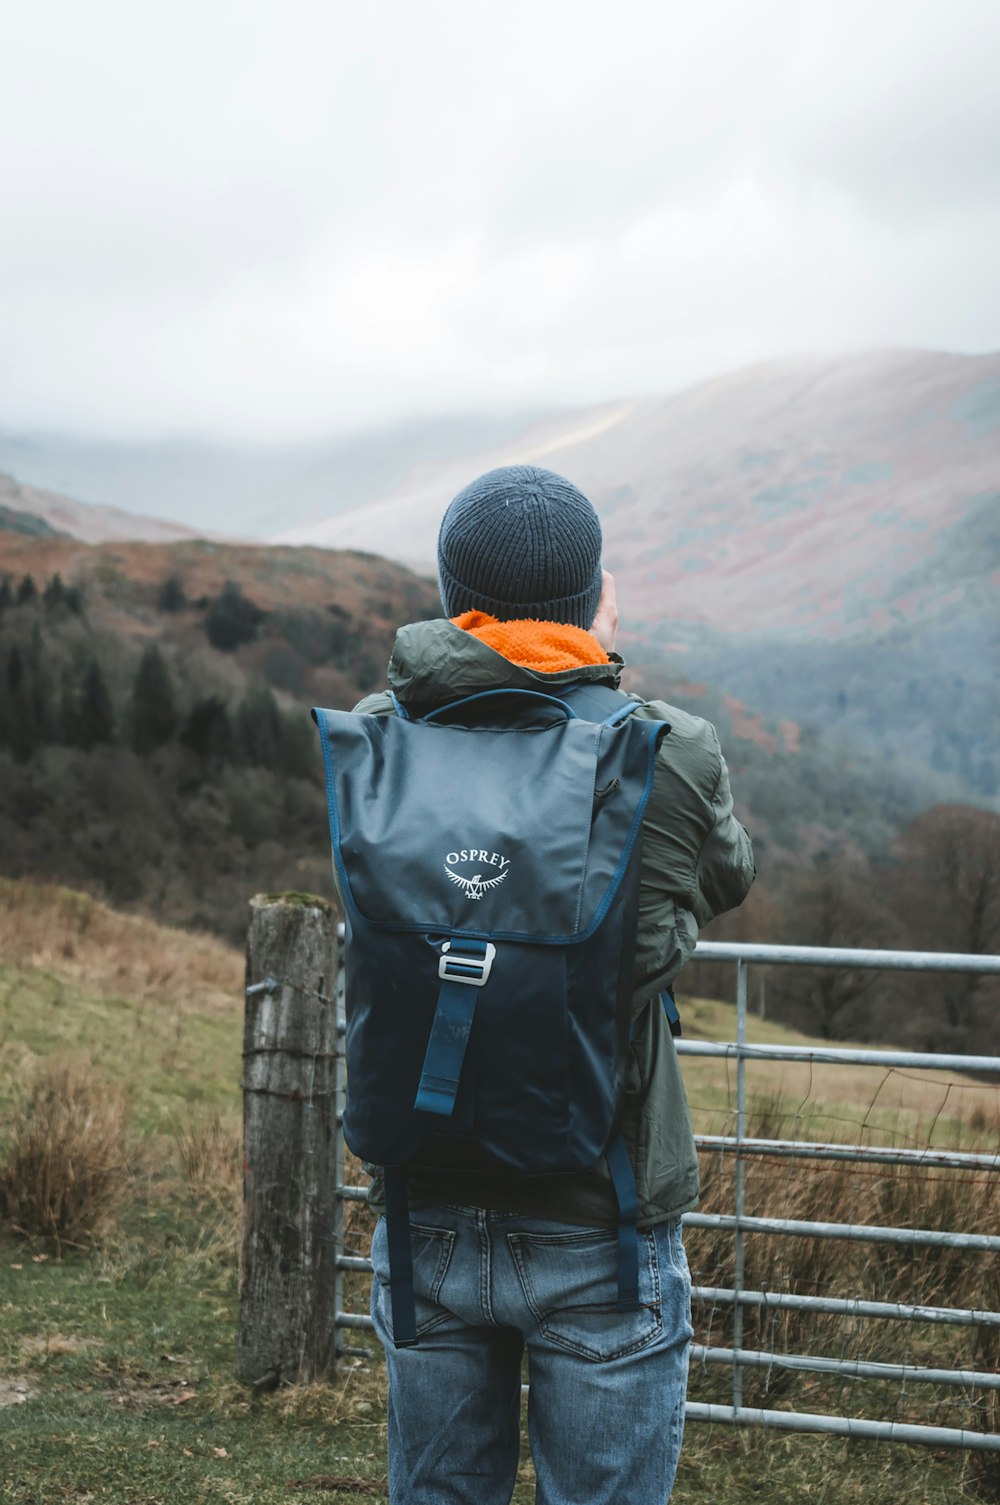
{"x": 977, "y": 1388}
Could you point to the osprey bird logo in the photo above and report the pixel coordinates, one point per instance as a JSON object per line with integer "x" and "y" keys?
{"x": 477, "y": 886}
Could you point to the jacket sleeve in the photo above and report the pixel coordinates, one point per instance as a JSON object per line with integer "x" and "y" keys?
{"x": 697, "y": 860}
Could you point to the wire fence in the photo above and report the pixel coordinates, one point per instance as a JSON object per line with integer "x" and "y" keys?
{"x": 845, "y": 1263}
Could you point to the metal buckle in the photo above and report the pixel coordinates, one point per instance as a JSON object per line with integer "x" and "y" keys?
{"x": 479, "y": 965}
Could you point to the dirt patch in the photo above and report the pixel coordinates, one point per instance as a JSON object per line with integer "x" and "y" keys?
{"x": 14, "y": 1392}
{"x": 142, "y": 1391}
{"x": 53, "y": 1344}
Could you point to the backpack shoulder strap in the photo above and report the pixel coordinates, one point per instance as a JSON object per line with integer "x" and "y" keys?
{"x": 599, "y": 702}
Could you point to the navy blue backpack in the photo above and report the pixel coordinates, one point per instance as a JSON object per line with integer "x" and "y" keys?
{"x": 487, "y": 854}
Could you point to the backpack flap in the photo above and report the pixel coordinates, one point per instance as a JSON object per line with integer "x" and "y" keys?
{"x": 490, "y": 882}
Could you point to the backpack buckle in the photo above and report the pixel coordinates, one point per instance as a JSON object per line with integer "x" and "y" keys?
{"x": 460, "y": 967}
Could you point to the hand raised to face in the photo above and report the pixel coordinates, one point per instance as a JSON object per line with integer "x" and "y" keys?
{"x": 605, "y": 623}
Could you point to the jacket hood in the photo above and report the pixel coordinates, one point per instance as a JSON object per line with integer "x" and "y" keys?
{"x": 434, "y": 662}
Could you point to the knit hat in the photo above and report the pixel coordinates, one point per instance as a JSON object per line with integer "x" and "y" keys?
{"x": 521, "y": 542}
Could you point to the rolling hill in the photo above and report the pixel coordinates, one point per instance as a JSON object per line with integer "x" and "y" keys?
{"x": 821, "y": 538}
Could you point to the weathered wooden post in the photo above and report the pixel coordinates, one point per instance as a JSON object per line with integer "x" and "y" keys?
{"x": 290, "y": 1048}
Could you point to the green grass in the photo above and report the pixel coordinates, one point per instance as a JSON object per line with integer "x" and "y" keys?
{"x": 128, "y": 1357}
{"x": 169, "y": 1057}
{"x": 126, "y": 1351}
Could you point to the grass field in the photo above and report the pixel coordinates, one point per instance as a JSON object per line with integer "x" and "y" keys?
{"x": 117, "y": 1357}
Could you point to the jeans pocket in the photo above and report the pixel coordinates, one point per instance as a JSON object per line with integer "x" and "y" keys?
{"x": 570, "y": 1282}
{"x": 432, "y": 1250}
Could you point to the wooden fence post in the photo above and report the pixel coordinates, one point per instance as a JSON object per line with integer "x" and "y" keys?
{"x": 290, "y": 1047}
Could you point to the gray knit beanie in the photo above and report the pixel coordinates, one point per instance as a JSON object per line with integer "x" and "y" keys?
{"x": 521, "y": 542}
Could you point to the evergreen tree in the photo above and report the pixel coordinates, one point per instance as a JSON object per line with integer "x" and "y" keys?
{"x": 15, "y": 669}
{"x": 154, "y": 708}
{"x": 232, "y": 619}
{"x": 43, "y": 707}
{"x": 27, "y": 592}
{"x": 207, "y": 731}
{"x": 259, "y": 728}
{"x": 21, "y": 728}
{"x": 6, "y": 593}
{"x": 54, "y": 593}
{"x": 171, "y": 595}
{"x": 93, "y": 717}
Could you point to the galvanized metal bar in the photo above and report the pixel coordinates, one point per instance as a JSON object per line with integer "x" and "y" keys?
{"x": 339, "y": 1102}
{"x": 845, "y": 956}
{"x": 740, "y": 1145}
{"x": 355, "y": 1319}
{"x": 794, "y": 1149}
{"x": 836, "y": 1305}
{"x": 868, "y": 1233}
{"x": 740, "y": 1187}
{"x": 842, "y": 1055}
{"x": 970, "y": 1379}
{"x": 353, "y": 1193}
{"x": 848, "y": 1306}
{"x": 844, "y": 1426}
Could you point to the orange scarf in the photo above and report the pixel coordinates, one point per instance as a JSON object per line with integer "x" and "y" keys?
{"x": 545, "y": 646}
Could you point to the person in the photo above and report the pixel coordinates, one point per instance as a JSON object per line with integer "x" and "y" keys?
{"x": 507, "y": 1265}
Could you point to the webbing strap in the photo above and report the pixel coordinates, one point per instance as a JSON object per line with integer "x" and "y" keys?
{"x": 397, "y": 1228}
{"x": 627, "y": 1194}
{"x": 465, "y": 966}
{"x": 600, "y": 702}
{"x": 670, "y": 1009}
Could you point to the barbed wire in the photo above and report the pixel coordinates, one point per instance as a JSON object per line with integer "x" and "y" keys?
{"x": 271, "y": 984}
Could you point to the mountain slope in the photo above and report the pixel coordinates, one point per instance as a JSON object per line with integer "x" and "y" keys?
{"x": 90, "y": 524}
{"x": 819, "y": 497}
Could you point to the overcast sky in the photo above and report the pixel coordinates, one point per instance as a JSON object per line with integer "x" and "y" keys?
{"x": 281, "y": 218}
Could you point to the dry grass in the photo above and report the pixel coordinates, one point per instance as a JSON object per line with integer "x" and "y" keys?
{"x": 209, "y": 1149}
{"x": 80, "y": 939}
{"x": 64, "y": 1168}
{"x": 902, "y": 1196}
{"x": 809, "y": 1100}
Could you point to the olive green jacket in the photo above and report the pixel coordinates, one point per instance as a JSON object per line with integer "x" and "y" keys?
{"x": 696, "y": 862}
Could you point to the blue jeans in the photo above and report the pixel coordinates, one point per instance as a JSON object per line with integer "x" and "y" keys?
{"x": 606, "y": 1399}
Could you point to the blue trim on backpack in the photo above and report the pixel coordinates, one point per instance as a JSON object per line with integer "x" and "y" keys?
{"x": 326, "y": 741}
{"x": 457, "y": 1000}
{"x": 657, "y": 730}
{"x": 454, "y": 705}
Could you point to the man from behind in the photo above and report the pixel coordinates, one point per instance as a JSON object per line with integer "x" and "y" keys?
{"x": 506, "y": 1264}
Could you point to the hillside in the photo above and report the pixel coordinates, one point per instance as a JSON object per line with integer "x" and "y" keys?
{"x": 245, "y": 489}
{"x": 820, "y": 538}
{"x": 155, "y": 741}
{"x": 820, "y": 497}
{"x": 159, "y": 1010}
{"x": 90, "y": 524}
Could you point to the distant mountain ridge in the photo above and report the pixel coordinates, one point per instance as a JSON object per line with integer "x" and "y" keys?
{"x": 81, "y": 520}
{"x": 247, "y": 489}
{"x": 820, "y": 496}
{"x": 819, "y": 538}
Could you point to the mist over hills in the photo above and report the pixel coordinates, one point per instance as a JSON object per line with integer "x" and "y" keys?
{"x": 250, "y": 490}
{"x": 819, "y": 538}
{"x": 28, "y": 509}
{"x": 817, "y": 541}
{"x": 819, "y": 496}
